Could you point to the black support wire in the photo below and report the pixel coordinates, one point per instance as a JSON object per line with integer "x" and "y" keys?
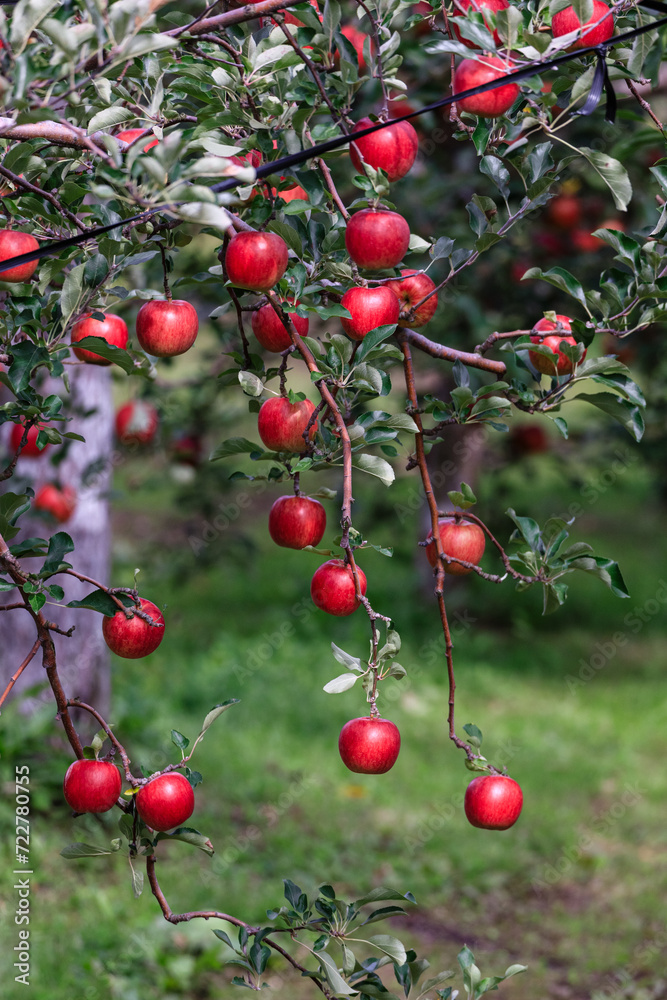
{"x": 601, "y": 82}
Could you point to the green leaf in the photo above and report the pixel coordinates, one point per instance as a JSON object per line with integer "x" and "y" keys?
{"x": 179, "y": 740}
{"x": 72, "y": 292}
{"x": 625, "y": 413}
{"x": 341, "y": 683}
{"x": 234, "y": 446}
{"x": 514, "y": 970}
{"x": 375, "y": 466}
{"x": 391, "y": 946}
{"x": 12, "y": 505}
{"x": 494, "y": 168}
{"x": 99, "y": 600}
{"x": 559, "y": 278}
{"x": 333, "y": 976}
{"x": 59, "y": 545}
{"x": 214, "y": 714}
{"x": 382, "y": 893}
{"x": 26, "y": 358}
{"x": 613, "y": 174}
{"x": 109, "y": 117}
{"x": 474, "y": 734}
{"x": 605, "y": 570}
{"x": 25, "y": 17}
{"x": 204, "y": 213}
{"x": 189, "y": 836}
{"x": 118, "y": 356}
{"x": 224, "y": 937}
{"x": 289, "y": 234}
{"x": 430, "y": 984}
{"x": 372, "y": 339}
{"x": 352, "y": 662}
{"x": 528, "y": 529}
{"x": 81, "y": 850}
{"x": 251, "y": 384}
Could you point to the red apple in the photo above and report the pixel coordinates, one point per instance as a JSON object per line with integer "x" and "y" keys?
{"x": 369, "y": 745}
{"x": 481, "y": 5}
{"x": 281, "y": 424}
{"x": 30, "y": 449}
{"x": 166, "y": 801}
{"x": 476, "y": 72}
{"x": 133, "y": 637}
{"x": 136, "y": 422}
{"x": 12, "y": 244}
{"x": 545, "y": 364}
{"x": 295, "y": 522}
{"x": 112, "y": 329}
{"x": 270, "y": 332}
{"x": 369, "y": 308}
{"x": 332, "y": 587}
{"x": 584, "y": 241}
{"x": 186, "y": 449}
{"x": 410, "y": 288}
{"x": 564, "y": 211}
{"x": 166, "y": 328}
{"x": 377, "y": 238}
{"x": 60, "y": 503}
{"x": 256, "y": 261}
{"x": 92, "y": 786}
{"x": 392, "y": 148}
{"x": 130, "y": 134}
{"x": 425, "y": 9}
{"x": 291, "y": 193}
{"x": 493, "y": 802}
{"x": 528, "y": 439}
{"x": 602, "y": 25}
{"x": 460, "y": 539}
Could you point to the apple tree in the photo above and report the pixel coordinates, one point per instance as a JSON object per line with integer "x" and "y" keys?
{"x": 274, "y": 140}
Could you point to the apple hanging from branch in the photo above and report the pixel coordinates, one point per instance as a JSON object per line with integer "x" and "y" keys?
{"x": 166, "y": 801}
{"x": 369, "y": 744}
{"x": 133, "y": 637}
{"x": 92, "y": 786}
{"x": 332, "y": 587}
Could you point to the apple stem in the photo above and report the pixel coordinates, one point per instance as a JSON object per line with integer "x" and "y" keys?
{"x": 165, "y": 272}
{"x": 295, "y": 480}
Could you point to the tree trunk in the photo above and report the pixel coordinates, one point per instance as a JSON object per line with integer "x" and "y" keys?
{"x": 83, "y": 659}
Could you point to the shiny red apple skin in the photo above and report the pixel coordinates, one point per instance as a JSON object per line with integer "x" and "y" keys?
{"x": 410, "y": 288}
{"x": 369, "y": 308}
{"x": 295, "y": 522}
{"x": 377, "y": 238}
{"x": 12, "y": 244}
{"x": 60, "y": 503}
{"x": 545, "y": 365}
{"x": 392, "y": 148}
{"x": 493, "y": 802}
{"x": 332, "y": 588}
{"x": 270, "y": 332}
{"x": 460, "y": 540}
{"x": 92, "y": 786}
{"x": 112, "y": 329}
{"x": 281, "y": 424}
{"x": 166, "y": 801}
{"x": 167, "y": 328}
{"x": 136, "y": 422}
{"x": 130, "y": 134}
{"x": 369, "y": 745}
{"x": 566, "y": 21}
{"x": 30, "y": 449}
{"x": 475, "y": 72}
{"x": 481, "y": 5}
{"x": 133, "y": 637}
{"x": 256, "y": 261}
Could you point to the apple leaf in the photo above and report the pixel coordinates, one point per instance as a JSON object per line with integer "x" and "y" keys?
{"x": 99, "y": 600}
{"x": 559, "y": 278}
{"x": 117, "y": 355}
{"x": 434, "y": 981}
{"x": 622, "y": 410}
{"x": 391, "y": 946}
{"x": 189, "y": 836}
{"x": 352, "y": 662}
{"x": 341, "y": 683}
{"x": 214, "y": 714}
{"x": 605, "y": 570}
{"x": 474, "y": 734}
{"x": 376, "y": 466}
{"x": 251, "y": 384}
{"x": 234, "y": 446}
{"x": 59, "y": 545}
{"x": 372, "y": 339}
{"x": 612, "y": 173}
{"x": 12, "y": 505}
{"x": 81, "y": 850}
{"x": 382, "y": 893}
{"x": 333, "y": 976}
{"x": 26, "y": 358}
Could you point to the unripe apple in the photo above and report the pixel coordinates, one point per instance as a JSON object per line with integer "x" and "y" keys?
{"x": 166, "y": 801}
{"x": 12, "y": 244}
{"x": 369, "y": 745}
{"x": 602, "y": 23}
{"x": 295, "y": 522}
{"x": 411, "y": 288}
{"x": 476, "y": 72}
{"x": 460, "y": 539}
{"x": 112, "y": 329}
{"x": 133, "y": 637}
{"x": 392, "y": 148}
{"x": 270, "y": 332}
{"x": 256, "y": 261}
{"x": 369, "y": 308}
{"x": 332, "y": 587}
{"x": 481, "y": 5}
{"x": 59, "y": 503}
{"x": 377, "y": 238}
{"x": 166, "y": 328}
{"x": 136, "y": 422}
{"x": 281, "y": 424}
{"x": 92, "y": 786}
{"x": 544, "y": 364}
{"x": 30, "y": 449}
{"x": 493, "y": 802}
{"x": 130, "y": 134}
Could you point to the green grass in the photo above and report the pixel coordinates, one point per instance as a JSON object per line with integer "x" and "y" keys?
{"x": 575, "y": 890}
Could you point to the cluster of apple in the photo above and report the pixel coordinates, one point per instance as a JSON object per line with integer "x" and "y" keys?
{"x": 164, "y": 802}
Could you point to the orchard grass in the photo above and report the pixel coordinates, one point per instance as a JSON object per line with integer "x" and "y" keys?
{"x": 574, "y": 890}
